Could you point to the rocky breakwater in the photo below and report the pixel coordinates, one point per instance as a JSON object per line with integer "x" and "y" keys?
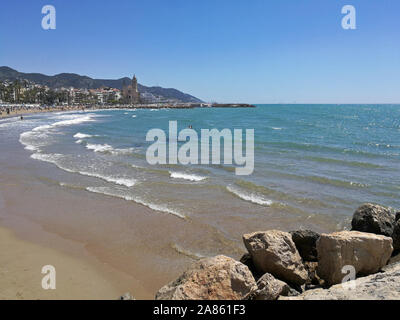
{"x": 357, "y": 264}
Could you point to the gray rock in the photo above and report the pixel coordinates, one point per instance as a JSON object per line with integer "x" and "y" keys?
{"x": 305, "y": 241}
{"x": 396, "y": 237}
{"x": 274, "y": 252}
{"x": 380, "y": 286}
{"x": 373, "y": 218}
{"x": 397, "y": 216}
{"x": 270, "y": 288}
{"x": 217, "y": 278}
{"x": 126, "y": 296}
{"x": 248, "y": 261}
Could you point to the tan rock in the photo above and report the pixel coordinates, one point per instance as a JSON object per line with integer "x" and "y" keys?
{"x": 274, "y": 252}
{"x": 380, "y": 286}
{"x": 366, "y": 252}
{"x": 217, "y": 278}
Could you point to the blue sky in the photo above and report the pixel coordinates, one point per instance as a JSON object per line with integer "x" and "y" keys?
{"x": 258, "y": 51}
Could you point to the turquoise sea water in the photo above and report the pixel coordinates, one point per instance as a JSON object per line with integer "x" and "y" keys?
{"x": 314, "y": 164}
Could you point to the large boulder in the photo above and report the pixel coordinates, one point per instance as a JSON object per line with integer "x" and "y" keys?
{"x": 217, "y": 278}
{"x": 306, "y": 243}
{"x": 270, "y": 288}
{"x": 373, "y": 218}
{"x": 274, "y": 252}
{"x": 380, "y": 286}
{"x": 366, "y": 252}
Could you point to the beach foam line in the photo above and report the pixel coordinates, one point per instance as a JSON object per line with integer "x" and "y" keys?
{"x": 51, "y": 158}
{"x": 138, "y": 200}
{"x": 188, "y": 253}
{"x": 186, "y": 176}
{"x": 127, "y": 182}
{"x": 250, "y": 197}
{"x": 55, "y": 157}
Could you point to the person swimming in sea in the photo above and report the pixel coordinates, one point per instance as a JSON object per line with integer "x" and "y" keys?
{"x": 22, "y": 118}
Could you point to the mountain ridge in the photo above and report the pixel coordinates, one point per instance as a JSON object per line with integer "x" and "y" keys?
{"x": 85, "y": 82}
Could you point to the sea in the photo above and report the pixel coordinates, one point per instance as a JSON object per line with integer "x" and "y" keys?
{"x": 314, "y": 164}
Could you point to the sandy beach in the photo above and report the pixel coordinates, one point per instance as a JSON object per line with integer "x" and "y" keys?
{"x": 21, "y": 263}
{"x": 25, "y": 112}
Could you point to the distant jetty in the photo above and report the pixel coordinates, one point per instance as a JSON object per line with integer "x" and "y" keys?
{"x": 232, "y": 105}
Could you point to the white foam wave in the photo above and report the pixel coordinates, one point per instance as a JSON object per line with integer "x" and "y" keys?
{"x": 51, "y": 158}
{"x": 160, "y": 208}
{"x": 186, "y": 176}
{"x": 108, "y": 148}
{"x": 138, "y": 200}
{"x": 55, "y": 159}
{"x": 99, "y": 147}
{"x": 82, "y": 136}
{"x": 127, "y": 182}
{"x": 134, "y": 116}
{"x": 249, "y": 197}
{"x": 36, "y": 137}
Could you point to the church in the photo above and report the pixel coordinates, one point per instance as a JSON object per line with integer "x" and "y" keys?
{"x": 130, "y": 93}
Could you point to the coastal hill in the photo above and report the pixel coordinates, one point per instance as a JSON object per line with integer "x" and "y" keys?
{"x": 84, "y": 82}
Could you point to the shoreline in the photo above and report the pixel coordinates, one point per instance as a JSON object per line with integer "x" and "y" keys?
{"x": 34, "y": 110}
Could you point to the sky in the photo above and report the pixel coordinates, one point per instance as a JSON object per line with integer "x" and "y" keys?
{"x": 258, "y": 51}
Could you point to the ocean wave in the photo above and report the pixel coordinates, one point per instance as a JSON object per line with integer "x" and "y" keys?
{"x": 38, "y": 136}
{"x": 99, "y": 147}
{"x": 186, "y": 176}
{"x": 134, "y": 116}
{"x": 345, "y": 162}
{"x": 155, "y": 207}
{"x": 82, "y": 136}
{"x": 106, "y": 148}
{"x": 76, "y": 120}
{"x": 251, "y": 197}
